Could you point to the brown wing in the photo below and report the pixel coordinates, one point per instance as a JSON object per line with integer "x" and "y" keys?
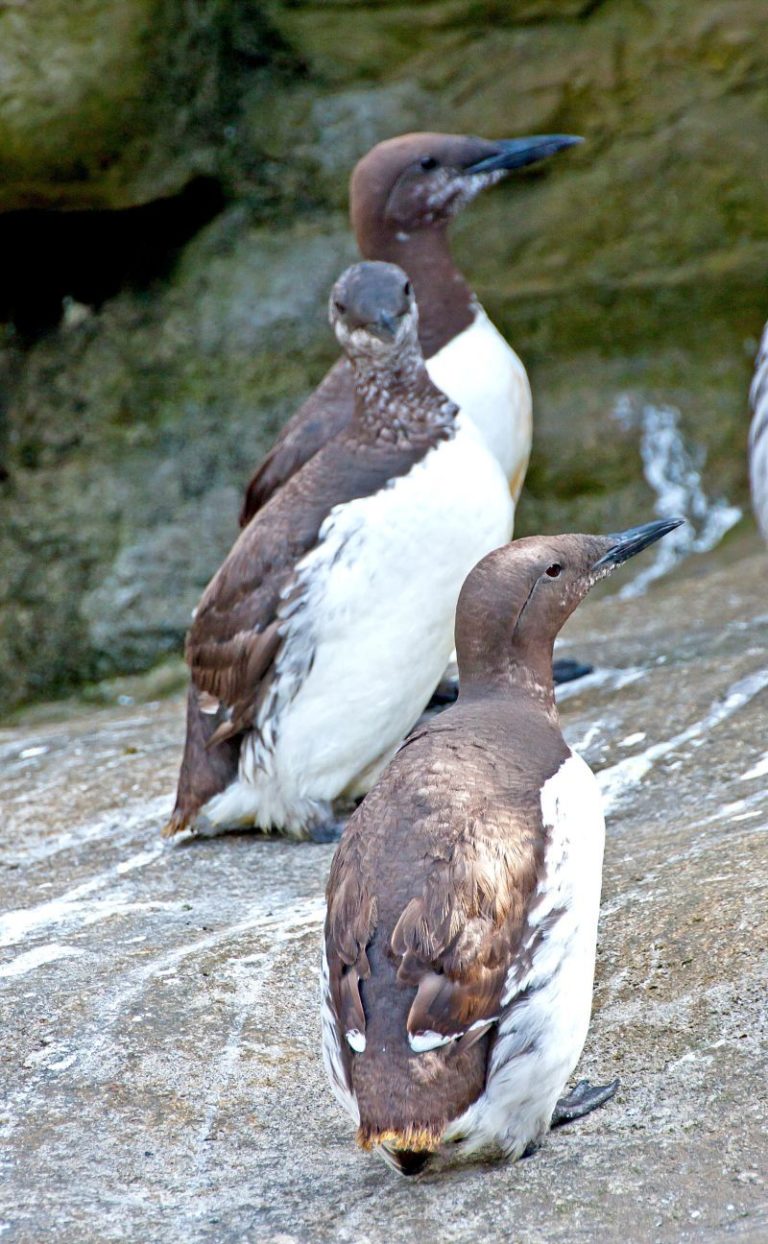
{"x": 235, "y": 636}
{"x": 236, "y": 633}
{"x": 349, "y": 925}
{"x": 325, "y": 413}
{"x": 449, "y": 889}
{"x": 456, "y": 940}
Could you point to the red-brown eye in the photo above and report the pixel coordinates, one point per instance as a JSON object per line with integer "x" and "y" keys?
{"x": 554, "y": 570}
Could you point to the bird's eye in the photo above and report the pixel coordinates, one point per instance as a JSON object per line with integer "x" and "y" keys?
{"x": 554, "y": 570}
{"x": 407, "y": 289}
{"x": 340, "y": 307}
{"x": 428, "y": 163}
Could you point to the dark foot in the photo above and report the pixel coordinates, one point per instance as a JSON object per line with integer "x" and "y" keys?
{"x": 568, "y": 670}
{"x": 530, "y": 1149}
{"x": 329, "y": 831}
{"x": 581, "y": 1100}
{"x": 446, "y": 692}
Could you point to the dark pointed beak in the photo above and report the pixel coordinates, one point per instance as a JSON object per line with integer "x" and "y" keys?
{"x": 626, "y": 544}
{"x": 385, "y": 326}
{"x": 517, "y": 152}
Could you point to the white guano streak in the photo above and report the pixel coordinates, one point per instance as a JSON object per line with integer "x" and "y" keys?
{"x": 620, "y": 778}
{"x": 673, "y": 471}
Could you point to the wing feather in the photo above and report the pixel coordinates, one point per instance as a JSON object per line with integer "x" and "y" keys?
{"x": 238, "y": 629}
{"x": 324, "y": 414}
{"x": 349, "y": 926}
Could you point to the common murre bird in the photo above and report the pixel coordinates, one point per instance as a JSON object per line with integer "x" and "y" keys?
{"x": 463, "y": 897}
{"x": 758, "y": 437}
{"x": 403, "y": 195}
{"x": 322, "y": 636}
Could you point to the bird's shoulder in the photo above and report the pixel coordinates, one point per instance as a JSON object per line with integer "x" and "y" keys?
{"x": 325, "y": 412}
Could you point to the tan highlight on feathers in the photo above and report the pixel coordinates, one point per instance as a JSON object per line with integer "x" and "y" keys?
{"x": 411, "y": 1139}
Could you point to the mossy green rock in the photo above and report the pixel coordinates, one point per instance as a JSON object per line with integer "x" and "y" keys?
{"x": 110, "y": 103}
{"x": 635, "y": 266}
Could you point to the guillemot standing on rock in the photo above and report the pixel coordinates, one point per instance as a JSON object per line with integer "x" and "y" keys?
{"x": 758, "y": 437}
{"x": 464, "y": 895}
{"x": 322, "y": 636}
{"x": 403, "y": 195}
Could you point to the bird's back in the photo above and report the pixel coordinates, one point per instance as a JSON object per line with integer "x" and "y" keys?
{"x": 427, "y": 900}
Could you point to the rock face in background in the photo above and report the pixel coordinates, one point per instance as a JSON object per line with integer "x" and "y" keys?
{"x": 148, "y": 365}
{"x": 111, "y": 103}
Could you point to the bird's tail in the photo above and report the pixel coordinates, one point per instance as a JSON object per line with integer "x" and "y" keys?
{"x": 408, "y": 1151}
{"x": 407, "y": 1100}
{"x": 405, "y": 1161}
{"x": 395, "y": 1140}
{"x": 205, "y": 771}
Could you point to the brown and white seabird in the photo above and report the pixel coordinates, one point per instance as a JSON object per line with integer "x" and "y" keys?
{"x": 322, "y": 636}
{"x": 464, "y": 894}
{"x": 758, "y": 437}
{"x": 403, "y": 196}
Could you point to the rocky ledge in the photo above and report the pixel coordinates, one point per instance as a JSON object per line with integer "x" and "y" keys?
{"x": 161, "y": 1037}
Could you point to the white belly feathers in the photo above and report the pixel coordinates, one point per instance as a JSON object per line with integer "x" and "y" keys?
{"x": 482, "y": 374}
{"x": 544, "y": 1023}
{"x": 371, "y": 635}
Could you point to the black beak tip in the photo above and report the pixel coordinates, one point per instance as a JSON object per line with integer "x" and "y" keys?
{"x": 387, "y": 324}
{"x": 518, "y": 152}
{"x": 561, "y": 142}
{"x": 626, "y": 544}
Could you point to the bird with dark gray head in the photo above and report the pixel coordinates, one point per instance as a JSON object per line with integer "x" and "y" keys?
{"x": 758, "y": 437}
{"x": 322, "y": 636}
{"x": 403, "y": 196}
{"x": 463, "y": 898}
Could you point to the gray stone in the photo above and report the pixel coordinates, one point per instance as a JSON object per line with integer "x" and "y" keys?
{"x": 162, "y": 1077}
{"x": 106, "y": 103}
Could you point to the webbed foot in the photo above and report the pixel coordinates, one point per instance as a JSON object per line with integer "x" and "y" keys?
{"x": 530, "y": 1149}
{"x": 584, "y": 1098}
{"x": 446, "y": 692}
{"x": 566, "y": 669}
{"x": 327, "y": 831}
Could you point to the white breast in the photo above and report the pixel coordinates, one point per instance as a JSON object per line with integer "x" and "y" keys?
{"x": 379, "y": 613}
{"x": 483, "y": 375}
{"x": 758, "y": 437}
{"x": 545, "y": 1019}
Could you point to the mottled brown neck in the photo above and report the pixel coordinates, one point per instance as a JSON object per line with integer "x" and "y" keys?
{"x": 445, "y": 301}
{"x": 396, "y": 401}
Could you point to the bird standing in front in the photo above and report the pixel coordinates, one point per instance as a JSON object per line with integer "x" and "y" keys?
{"x": 464, "y": 895}
{"x": 322, "y": 636}
{"x": 403, "y": 196}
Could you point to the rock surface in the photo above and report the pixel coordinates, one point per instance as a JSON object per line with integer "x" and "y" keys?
{"x": 112, "y": 103}
{"x": 161, "y": 1065}
{"x": 635, "y": 267}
